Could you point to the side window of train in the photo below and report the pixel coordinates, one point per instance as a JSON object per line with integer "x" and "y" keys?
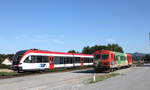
{"x": 65, "y": 60}
{"x": 33, "y": 59}
{"x": 29, "y": 59}
{"x": 91, "y": 60}
{"x": 86, "y": 60}
{"x": 57, "y": 60}
{"x": 71, "y": 60}
{"x": 77, "y": 59}
{"x": 61, "y": 60}
{"x": 45, "y": 59}
{"x": 39, "y": 59}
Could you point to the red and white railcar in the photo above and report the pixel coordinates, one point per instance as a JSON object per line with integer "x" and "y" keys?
{"x": 27, "y": 60}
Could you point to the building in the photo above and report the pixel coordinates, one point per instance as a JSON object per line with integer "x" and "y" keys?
{"x": 7, "y": 61}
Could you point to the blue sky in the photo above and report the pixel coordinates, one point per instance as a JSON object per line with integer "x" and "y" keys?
{"x": 62, "y": 25}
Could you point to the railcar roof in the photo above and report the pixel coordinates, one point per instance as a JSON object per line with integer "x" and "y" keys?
{"x": 52, "y": 52}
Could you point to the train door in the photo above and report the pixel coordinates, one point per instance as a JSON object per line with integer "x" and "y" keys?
{"x": 114, "y": 62}
{"x": 82, "y": 61}
{"x": 51, "y": 62}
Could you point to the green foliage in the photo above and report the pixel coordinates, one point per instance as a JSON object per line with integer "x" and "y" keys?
{"x": 8, "y": 73}
{"x": 4, "y": 56}
{"x": 72, "y": 51}
{"x": 112, "y": 47}
{"x": 4, "y": 66}
{"x": 99, "y": 78}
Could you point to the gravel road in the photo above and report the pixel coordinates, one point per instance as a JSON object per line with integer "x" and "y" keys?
{"x": 134, "y": 78}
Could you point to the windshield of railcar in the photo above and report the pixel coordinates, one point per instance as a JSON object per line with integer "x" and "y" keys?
{"x": 104, "y": 56}
{"x": 18, "y": 56}
{"x": 97, "y": 56}
{"x": 101, "y": 56}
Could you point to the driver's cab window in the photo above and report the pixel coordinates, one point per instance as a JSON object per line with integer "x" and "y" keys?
{"x": 31, "y": 59}
{"x": 27, "y": 60}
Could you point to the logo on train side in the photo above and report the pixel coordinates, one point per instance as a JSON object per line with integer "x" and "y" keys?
{"x": 42, "y": 65}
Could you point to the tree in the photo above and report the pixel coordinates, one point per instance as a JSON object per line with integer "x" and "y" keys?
{"x": 115, "y": 47}
{"x": 86, "y": 50}
{"x": 112, "y": 47}
{"x": 72, "y": 51}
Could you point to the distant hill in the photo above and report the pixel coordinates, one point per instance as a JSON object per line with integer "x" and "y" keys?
{"x": 138, "y": 56}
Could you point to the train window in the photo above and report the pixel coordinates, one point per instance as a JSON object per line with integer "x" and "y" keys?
{"x": 33, "y": 59}
{"x": 27, "y": 60}
{"x": 65, "y": 60}
{"x": 77, "y": 59}
{"x": 122, "y": 58}
{"x": 30, "y": 58}
{"x": 91, "y": 60}
{"x": 86, "y": 60}
{"x": 45, "y": 59}
{"x": 61, "y": 60}
{"x": 97, "y": 56}
{"x": 39, "y": 59}
{"x": 68, "y": 60}
{"x": 71, "y": 59}
{"x": 105, "y": 56}
{"x": 117, "y": 57}
{"x": 57, "y": 60}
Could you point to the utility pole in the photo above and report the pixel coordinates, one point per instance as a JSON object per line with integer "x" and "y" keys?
{"x": 149, "y": 38}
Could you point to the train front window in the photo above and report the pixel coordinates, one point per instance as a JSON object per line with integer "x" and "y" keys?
{"x": 18, "y": 57}
{"x": 104, "y": 56}
{"x": 97, "y": 56}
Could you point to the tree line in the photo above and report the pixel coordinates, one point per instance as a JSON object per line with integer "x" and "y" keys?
{"x": 92, "y": 49}
{"x": 4, "y": 56}
{"x": 89, "y": 50}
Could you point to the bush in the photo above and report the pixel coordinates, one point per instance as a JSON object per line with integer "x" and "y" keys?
{"x": 8, "y": 73}
{"x": 4, "y": 66}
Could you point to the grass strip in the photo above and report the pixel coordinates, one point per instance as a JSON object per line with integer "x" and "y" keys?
{"x": 99, "y": 78}
{"x": 8, "y": 73}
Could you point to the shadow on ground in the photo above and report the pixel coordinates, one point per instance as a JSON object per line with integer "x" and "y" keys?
{"x": 144, "y": 65}
{"x": 90, "y": 71}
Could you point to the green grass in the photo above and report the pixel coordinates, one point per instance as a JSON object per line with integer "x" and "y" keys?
{"x": 8, "y": 73}
{"x": 99, "y": 78}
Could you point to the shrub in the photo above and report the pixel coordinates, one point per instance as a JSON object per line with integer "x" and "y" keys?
{"x": 4, "y": 66}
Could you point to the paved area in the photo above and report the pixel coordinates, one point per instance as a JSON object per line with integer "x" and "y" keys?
{"x": 135, "y": 78}
{"x": 6, "y": 70}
